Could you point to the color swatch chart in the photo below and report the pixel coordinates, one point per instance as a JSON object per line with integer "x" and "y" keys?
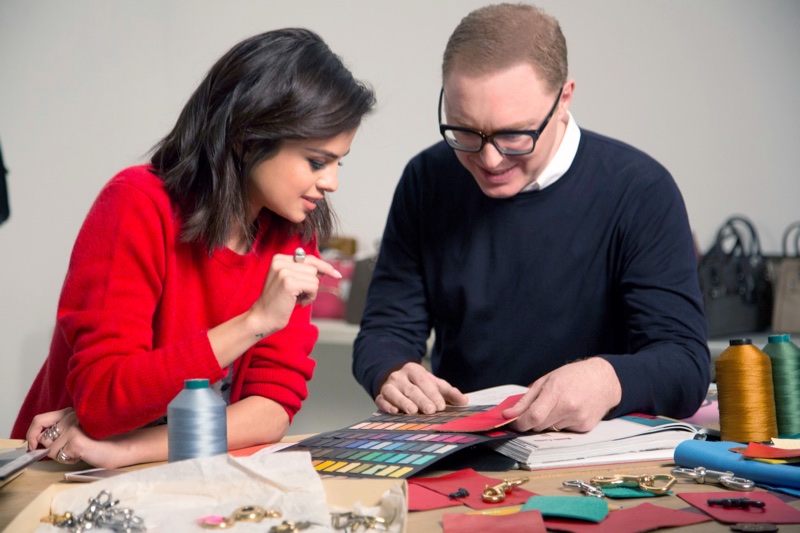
{"x": 392, "y": 446}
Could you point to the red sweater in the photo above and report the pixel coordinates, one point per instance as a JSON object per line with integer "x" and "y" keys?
{"x": 135, "y": 309}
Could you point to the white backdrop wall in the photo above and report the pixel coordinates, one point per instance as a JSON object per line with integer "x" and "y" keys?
{"x": 87, "y": 87}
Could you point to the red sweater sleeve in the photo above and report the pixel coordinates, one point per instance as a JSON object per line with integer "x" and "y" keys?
{"x": 279, "y": 367}
{"x": 111, "y": 294}
{"x": 137, "y": 304}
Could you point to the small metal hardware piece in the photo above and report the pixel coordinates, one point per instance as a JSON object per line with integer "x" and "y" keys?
{"x": 645, "y": 482}
{"x": 726, "y": 479}
{"x": 248, "y": 513}
{"x": 350, "y": 522}
{"x": 736, "y": 503}
{"x": 586, "y": 488}
{"x": 460, "y": 493}
{"x": 101, "y": 513}
{"x": 498, "y": 492}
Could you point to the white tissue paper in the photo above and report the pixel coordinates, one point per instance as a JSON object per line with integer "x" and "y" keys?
{"x": 172, "y": 497}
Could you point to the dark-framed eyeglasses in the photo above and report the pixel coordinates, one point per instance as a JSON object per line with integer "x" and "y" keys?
{"x": 507, "y": 142}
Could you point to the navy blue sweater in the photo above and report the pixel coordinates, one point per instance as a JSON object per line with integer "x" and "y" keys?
{"x": 601, "y": 263}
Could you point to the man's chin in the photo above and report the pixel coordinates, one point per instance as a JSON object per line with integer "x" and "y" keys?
{"x": 506, "y": 190}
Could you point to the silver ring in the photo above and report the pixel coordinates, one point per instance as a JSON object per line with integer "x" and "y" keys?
{"x": 53, "y": 432}
{"x": 555, "y": 428}
{"x": 62, "y": 457}
{"x": 299, "y": 255}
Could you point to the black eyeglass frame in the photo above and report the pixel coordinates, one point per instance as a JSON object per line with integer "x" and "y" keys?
{"x": 534, "y": 134}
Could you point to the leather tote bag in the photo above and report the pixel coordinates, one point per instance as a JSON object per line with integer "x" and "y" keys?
{"x": 362, "y": 276}
{"x": 735, "y": 281}
{"x": 786, "y": 311}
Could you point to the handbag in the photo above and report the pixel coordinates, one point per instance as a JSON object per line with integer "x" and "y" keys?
{"x": 362, "y": 276}
{"x": 786, "y": 310}
{"x": 333, "y": 293}
{"x": 735, "y": 281}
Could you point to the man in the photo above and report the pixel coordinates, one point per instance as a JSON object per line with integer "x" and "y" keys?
{"x": 541, "y": 254}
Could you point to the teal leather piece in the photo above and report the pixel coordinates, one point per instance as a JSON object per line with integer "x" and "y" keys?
{"x": 574, "y": 507}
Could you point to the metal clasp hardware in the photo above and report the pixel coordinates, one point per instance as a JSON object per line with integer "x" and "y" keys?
{"x": 726, "y": 479}
{"x": 589, "y": 490}
{"x": 248, "y": 513}
{"x": 645, "y": 482}
{"x": 498, "y": 493}
{"x": 101, "y": 513}
{"x": 736, "y": 503}
{"x": 288, "y": 526}
{"x": 352, "y": 522}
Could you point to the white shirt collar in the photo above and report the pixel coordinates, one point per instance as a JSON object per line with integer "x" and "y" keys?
{"x": 563, "y": 159}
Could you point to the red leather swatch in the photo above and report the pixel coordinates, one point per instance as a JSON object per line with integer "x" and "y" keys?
{"x": 521, "y": 522}
{"x": 762, "y": 451}
{"x": 775, "y": 511}
{"x": 474, "y": 483}
{"x": 483, "y": 421}
{"x": 643, "y": 517}
{"x": 424, "y": 499}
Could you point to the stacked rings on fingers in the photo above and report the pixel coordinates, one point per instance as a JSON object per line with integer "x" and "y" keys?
{"x": 53, "y": 432}
{"x": 62, "y": 457}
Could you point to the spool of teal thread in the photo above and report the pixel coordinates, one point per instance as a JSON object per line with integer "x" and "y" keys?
{"x": 196, "y": 422}
{"x": 785, "y": 358}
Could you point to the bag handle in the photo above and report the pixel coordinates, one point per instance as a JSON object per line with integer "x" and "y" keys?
{"x": 730, "y": 226}
{"x": 794, "y": 226}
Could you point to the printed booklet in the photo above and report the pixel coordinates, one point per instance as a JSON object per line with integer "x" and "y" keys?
{"x": 624, "y": 439}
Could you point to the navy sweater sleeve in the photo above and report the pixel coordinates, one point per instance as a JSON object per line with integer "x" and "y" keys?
{"x": 601, "y": 263}
{"x": 395, "y": 326}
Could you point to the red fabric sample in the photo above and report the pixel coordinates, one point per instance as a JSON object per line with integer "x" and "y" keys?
{"x": 474, "y": 483}
{"x": 756, "y": 450}
{"x": 424, "y": 499}
{"x": 483, "y": 421}
{"x": 775, "y": 511}
{"x": 643, "y": 517}
{"x": 521, "y": 522}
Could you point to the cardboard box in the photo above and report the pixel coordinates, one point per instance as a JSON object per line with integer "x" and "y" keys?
{"x": 341, "y": 493}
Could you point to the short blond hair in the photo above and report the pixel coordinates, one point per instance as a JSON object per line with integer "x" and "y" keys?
{"x": 500, "y": 36}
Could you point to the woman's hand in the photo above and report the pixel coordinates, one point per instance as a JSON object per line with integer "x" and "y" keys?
{"x": 289, "y": 282}
{"x": 61, "y": 433}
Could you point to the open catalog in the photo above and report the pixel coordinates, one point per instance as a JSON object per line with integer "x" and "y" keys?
{"x": 620, "y": 440}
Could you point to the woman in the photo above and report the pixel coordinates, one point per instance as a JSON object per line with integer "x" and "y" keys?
{"x": 184, "y": 268}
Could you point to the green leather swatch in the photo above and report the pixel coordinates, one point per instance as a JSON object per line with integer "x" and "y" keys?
{"x": 574, "y": 507}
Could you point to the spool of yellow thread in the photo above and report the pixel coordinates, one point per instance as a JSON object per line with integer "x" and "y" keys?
{"x": 744, "y": 388}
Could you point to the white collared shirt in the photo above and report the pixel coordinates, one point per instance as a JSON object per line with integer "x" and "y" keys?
{"x": 561, "y": 162}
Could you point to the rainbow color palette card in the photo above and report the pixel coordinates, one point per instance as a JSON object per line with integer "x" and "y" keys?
{"x": 394, "y": 446}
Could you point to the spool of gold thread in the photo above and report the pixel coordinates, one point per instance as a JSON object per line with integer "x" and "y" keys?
{"x": 744, "y": 388}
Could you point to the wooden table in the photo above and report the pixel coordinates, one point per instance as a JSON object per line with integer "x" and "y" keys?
{"x": 15, "y": 495}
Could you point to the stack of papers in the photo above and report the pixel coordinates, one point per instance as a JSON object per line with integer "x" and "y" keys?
{"x": 625, "y": 439}
{"x": 621, "y": 440}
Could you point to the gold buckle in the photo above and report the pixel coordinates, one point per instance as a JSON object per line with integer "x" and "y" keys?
{"x": 646, "y": 482}
{"x": 498, "y": 492}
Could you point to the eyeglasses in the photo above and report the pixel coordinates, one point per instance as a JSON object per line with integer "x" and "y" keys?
{"x": 508, "y": 142}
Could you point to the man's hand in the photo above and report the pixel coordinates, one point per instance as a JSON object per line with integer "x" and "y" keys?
{"x": 413, "y": 389}
{"x": 575, "y": 397}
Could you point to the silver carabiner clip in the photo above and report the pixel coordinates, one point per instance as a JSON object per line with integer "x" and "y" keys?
{"x": 589, "y": 490}
{"x": 726, "y": 479}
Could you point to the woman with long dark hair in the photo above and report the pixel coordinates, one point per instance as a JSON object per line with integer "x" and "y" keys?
{"x": 186, "y": 267}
